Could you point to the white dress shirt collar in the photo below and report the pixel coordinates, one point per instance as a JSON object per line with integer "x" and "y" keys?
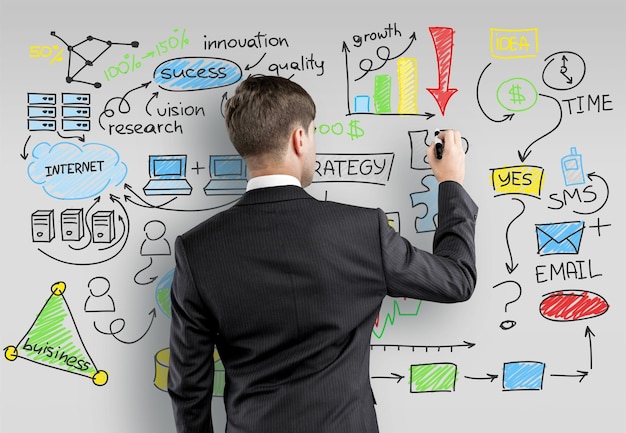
{"x": 271, "y": 180}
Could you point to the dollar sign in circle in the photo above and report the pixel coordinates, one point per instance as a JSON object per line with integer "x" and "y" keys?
{"x": 516, "y": 95}
{"x": 355, "y": 131}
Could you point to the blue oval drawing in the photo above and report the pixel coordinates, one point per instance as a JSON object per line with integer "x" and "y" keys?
{"x": 185, "y": 74}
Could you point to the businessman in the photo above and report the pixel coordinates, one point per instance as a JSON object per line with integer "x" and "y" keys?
{"x": 288, "y": 287}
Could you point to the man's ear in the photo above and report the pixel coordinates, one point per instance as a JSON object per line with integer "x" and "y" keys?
{"x": 297, "y": 142}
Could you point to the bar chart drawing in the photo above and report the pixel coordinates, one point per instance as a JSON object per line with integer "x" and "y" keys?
{"x": 391, "y": 87}
{"x": 382, "y": 100}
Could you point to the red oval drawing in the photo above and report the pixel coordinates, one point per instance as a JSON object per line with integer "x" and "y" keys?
{"x": 568, "y": 306}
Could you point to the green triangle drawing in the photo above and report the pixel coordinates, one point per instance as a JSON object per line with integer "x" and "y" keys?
{"x": 53, "y": 341}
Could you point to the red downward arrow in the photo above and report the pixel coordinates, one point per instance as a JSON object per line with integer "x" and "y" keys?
{"x": 442, "y": 38}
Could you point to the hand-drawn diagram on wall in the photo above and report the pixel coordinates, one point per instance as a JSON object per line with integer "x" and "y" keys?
{"x": 87, "y": 50}
{"x": 381, "y": 78}
{"x": 124, "y": 147}
{"x": 378, "y": 95}
{"x": 519, "y": 180}
{"x": 53, "y": 341}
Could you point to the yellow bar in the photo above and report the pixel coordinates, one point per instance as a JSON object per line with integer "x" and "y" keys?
{"x": 407, "y": 85}
{"x": 521, "y": 179}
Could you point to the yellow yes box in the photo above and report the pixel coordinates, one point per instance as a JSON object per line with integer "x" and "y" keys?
{"x": 520, "y": 179}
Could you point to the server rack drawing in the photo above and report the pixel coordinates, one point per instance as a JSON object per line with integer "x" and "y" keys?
{"x": 72, "y": 225}
{"x": 103, "y": 226}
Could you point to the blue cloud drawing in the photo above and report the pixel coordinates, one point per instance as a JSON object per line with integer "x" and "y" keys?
{"x": 69, "y": 171}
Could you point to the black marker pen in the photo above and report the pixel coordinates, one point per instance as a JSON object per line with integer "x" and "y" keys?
{"x": 439, "y": 144}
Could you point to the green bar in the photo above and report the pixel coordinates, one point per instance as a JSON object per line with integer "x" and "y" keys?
{"x": 382, "y": 93}
{"x": 433, "y": 377}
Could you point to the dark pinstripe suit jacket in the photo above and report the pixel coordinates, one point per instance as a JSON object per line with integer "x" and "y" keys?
{"x": 288, "y": 288}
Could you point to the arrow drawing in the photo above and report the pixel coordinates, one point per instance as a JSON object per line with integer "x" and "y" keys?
{"x": 442, "y": 38}
{"x": 523, "y": 156}
{"x": 589, "y": 334}
{"x": 151, "y": 313}
{"x": 490, "y": 377}
{"x": 425, "y": 347}
{"x": 512, "y": 266}
{"x": 504, "y": 117}
{"x": 581, "y": 374}
{"x": 591, "y": 177}
{"x": 24, "y": 154}
{"x": 394, "y": 376}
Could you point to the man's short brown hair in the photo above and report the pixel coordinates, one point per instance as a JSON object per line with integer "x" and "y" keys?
{"x": 263, "y": 112}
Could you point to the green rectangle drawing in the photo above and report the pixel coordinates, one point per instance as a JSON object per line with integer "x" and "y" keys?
{"x": 439, "y": 377}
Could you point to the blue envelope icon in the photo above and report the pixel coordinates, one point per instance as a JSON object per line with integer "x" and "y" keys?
{"x": 559, "y": 238}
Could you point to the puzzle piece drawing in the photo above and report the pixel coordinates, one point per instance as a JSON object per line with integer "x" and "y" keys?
{"x": 420, "y": 141}
{"x": 427, "y": 200}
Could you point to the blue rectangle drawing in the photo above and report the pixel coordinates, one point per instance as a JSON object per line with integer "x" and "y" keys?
{"x": 559, "y": 238}
{"x": 523, "y": 376}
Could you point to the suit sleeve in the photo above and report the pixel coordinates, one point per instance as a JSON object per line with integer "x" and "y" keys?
{"x": 190, "y": 377}
{"x": 448, "y": 274}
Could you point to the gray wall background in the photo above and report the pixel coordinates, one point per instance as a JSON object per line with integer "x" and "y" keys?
{"x": 576, "y": 351}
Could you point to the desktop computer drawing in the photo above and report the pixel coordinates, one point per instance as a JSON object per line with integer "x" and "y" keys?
{"x": 42, "y": 223}
{"x": 167, "y": 175}
{"x": 72, "y": 224}
{"x": 103, "y": 226}
{"x": 228, "y": 175}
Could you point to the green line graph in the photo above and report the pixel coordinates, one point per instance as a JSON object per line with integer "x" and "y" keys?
{"x": 379, "y": 330}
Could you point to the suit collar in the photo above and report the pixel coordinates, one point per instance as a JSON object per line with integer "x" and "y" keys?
{"x": 273, "y": 194}
{"x": 269, "y": 180}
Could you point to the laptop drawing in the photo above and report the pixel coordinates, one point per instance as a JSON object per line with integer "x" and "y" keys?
{"x": 228, "y": 175}
{"x": 167, "y": 173}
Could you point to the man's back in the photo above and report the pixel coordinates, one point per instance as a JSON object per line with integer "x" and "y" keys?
{"x": 293, "y": 286}
{"x": 288, "y": 288}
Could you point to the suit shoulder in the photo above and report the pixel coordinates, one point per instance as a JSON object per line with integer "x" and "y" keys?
{"x": 352, "y": 215}
{"x": 348, "y": 208}
{"x": 202, "y": 227}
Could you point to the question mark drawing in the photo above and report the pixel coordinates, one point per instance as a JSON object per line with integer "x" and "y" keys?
{"x": 508, "y": 324}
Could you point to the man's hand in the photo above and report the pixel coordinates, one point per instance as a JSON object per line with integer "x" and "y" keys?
{"x": 451, "y": 166}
